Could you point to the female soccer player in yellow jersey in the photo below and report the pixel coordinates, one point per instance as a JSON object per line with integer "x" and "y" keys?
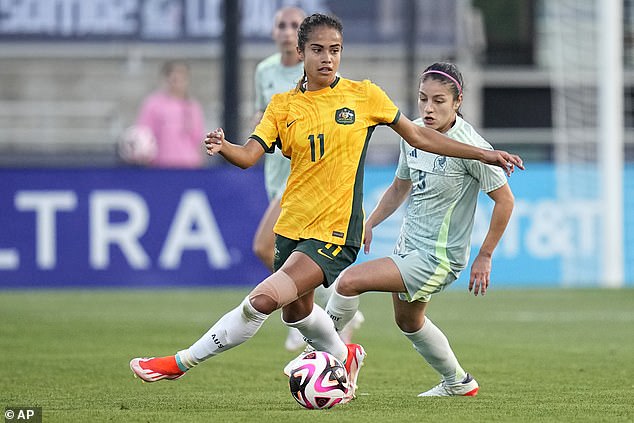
{"x": 275, "y": 74}
{"x": 323, "y": 126}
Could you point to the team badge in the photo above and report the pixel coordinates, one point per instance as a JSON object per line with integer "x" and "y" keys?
{"x": 344, "y": 116}
{"x": 440, "y": 164}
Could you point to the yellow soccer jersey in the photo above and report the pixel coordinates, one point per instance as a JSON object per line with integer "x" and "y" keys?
{"x": 325, "y": 133}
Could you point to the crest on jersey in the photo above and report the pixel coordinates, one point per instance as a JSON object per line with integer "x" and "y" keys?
{"x": 344, "y": 116}
{"x": 440, "y": 164}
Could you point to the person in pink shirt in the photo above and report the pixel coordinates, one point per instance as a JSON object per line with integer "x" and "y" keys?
{"x": 175, "y": 119}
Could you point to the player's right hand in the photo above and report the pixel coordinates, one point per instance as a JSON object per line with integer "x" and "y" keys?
{"x": 214, "y": 141}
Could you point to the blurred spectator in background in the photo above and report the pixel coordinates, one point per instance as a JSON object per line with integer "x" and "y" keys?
{"x": 169, "y": 129}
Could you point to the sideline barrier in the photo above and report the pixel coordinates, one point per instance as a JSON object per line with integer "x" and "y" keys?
{"x": 548, "y": 242}
{"x": 129, "y": 227}
{"x": 151, "y": 228}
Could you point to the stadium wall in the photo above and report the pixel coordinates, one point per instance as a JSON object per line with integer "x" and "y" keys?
{"x": 143, "y": 228}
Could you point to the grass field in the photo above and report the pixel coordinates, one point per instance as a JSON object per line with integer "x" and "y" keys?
{"x": 539, "y": 355}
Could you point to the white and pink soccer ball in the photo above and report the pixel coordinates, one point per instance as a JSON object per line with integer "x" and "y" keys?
{"x": 318, "y": 381}
{"x": 137, "y": 145}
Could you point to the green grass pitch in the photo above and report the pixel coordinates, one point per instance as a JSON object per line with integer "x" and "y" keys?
{"x": 539, "y": 356}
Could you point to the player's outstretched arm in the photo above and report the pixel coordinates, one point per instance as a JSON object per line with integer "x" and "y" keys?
{"x": 430, "y": 140}
{"x": 243, "y": 156}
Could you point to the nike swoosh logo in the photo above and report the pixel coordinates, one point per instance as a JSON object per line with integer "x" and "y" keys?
{"x": 288, "y": 124}
{"x": 320, "y": 252}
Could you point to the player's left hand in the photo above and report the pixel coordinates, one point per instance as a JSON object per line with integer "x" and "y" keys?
{"x": 504, "y": 160}
{"x": 480, "y": 275}
{"x": 367, "y": 239}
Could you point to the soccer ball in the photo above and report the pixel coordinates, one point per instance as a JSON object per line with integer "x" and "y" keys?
{"x": 318, "y": 380}
{"x": 137, "y": 145}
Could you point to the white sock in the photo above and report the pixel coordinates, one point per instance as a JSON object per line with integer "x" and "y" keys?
{"x": 341, "y": 309}
{"x": 319, "y": 332}
{"x": 322, "y": 294}
{"x": 231, "y": 330}
{"x": 433, "y": 345}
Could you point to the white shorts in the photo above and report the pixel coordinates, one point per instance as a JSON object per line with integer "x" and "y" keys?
{"x": 423, "y": 275}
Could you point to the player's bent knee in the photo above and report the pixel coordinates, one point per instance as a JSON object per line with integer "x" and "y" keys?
{"x": 263, "y": 303}
{"x": 274, "y": 292}
{"x": 345, "y": 284}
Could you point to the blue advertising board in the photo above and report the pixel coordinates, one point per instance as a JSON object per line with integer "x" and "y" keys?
{"x": 129, "y": 227}
{"x": 549, "y": 241}
{"x": 151, "y": 228}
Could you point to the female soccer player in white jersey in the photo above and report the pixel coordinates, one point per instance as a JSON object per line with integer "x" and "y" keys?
{"x": 324, "y": 126}
{"x": 433, "y": 246}
{"x": 276, "y": 74}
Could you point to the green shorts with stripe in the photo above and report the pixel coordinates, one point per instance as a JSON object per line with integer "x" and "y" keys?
{"x": 331, "y": 258}
{"x": 423, "y": 275}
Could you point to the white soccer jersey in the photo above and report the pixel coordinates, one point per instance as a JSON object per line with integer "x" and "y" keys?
{"x": 441, "y": 208}
{"x": 271, "y": 77}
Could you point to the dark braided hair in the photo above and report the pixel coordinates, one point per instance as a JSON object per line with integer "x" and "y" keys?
{"x": 454, "y": 80}
{"x": 306, "y": 28}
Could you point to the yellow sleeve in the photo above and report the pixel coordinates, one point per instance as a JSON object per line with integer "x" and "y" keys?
{"x": 383, "y": 110}
{"x": 266, "y": 132}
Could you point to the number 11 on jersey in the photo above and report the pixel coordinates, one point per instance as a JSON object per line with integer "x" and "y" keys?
{"x": 313, "y": 155}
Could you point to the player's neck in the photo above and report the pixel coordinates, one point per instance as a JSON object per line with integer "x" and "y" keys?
{"x": 318, "y": 85}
